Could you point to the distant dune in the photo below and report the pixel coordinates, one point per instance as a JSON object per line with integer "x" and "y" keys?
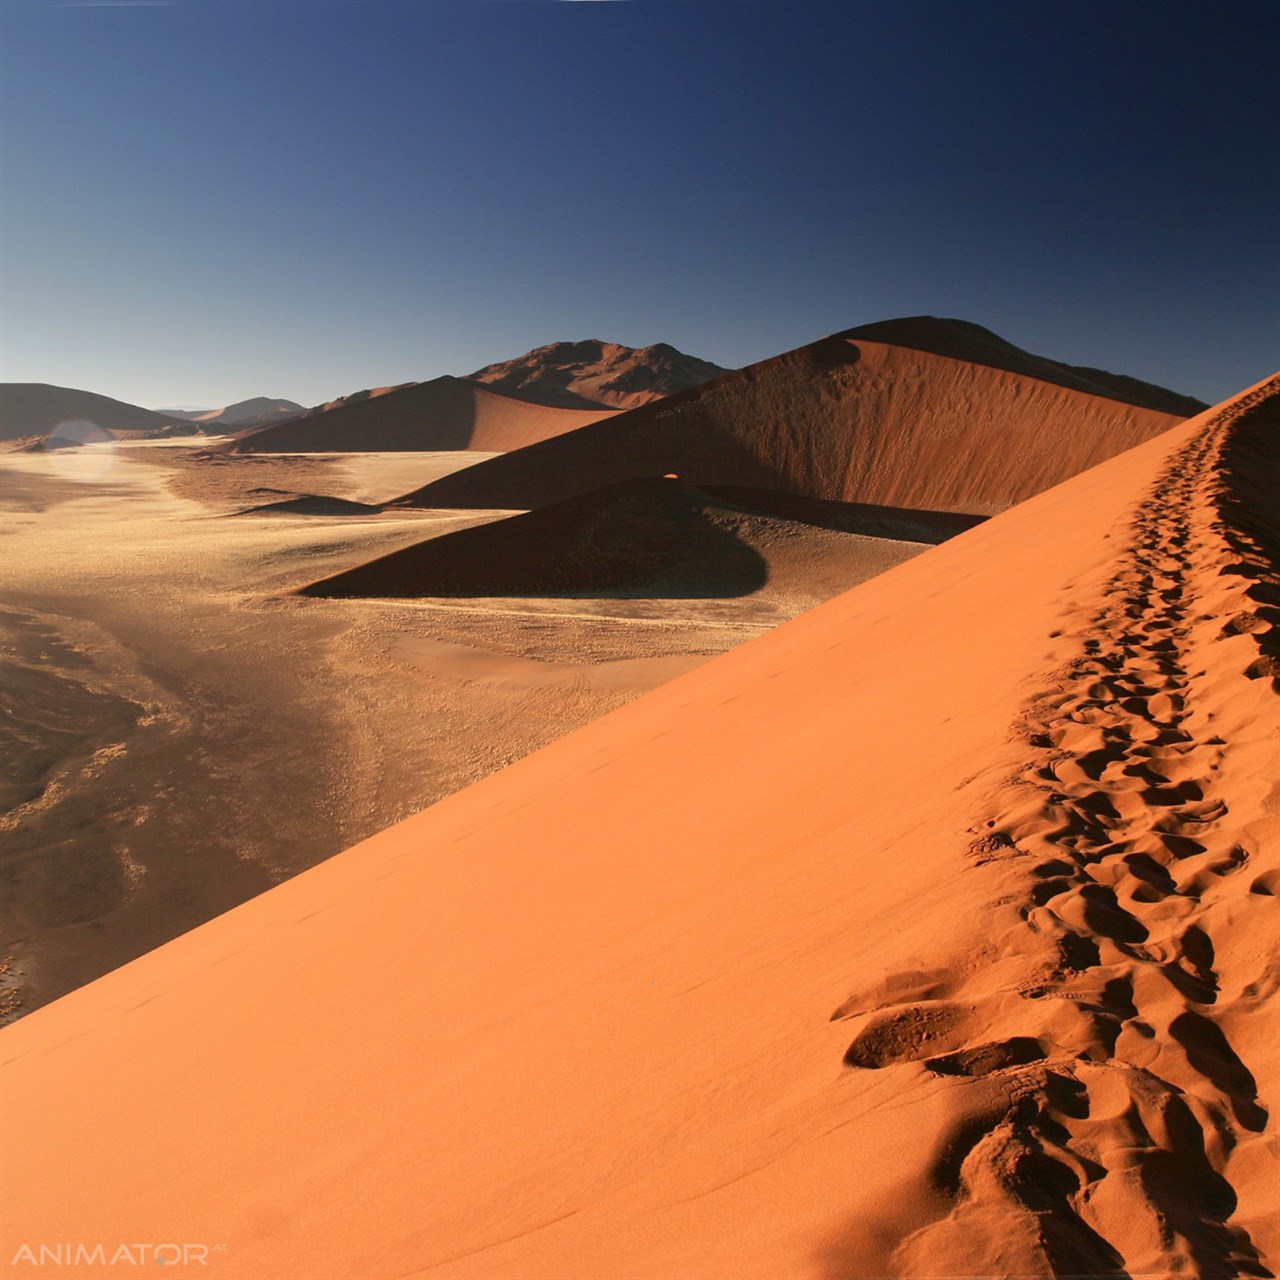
{"x": 847, "y": 418}
{"x": 640, "y": 538}
{"x": 445, "y": 413}
{"x": 38, "y": 409}
{"x": 573, "y": 375}
{"x": 258, "y": 411}
{"x": 930, "y": 934}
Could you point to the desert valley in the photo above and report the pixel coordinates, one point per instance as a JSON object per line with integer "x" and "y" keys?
{"x": 613, "y": 816}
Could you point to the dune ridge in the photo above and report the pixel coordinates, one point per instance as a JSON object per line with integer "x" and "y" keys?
{"x": 445, "y": 413}
{"x": 1119, "y": 1083}
{"x": 842, "y": 419}
{"x": 675, "y": 998}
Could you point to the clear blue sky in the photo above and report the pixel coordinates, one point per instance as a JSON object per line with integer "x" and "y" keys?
{"x": 209, "y": 200}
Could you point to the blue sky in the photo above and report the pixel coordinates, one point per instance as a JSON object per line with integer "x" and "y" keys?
{"x": 209, "y": 200}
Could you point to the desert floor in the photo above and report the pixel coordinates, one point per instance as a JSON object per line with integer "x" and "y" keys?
{"x": 181, "y": 732}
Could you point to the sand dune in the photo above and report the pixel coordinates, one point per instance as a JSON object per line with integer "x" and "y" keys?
{"x": 640, "y": 538}
{"x": 38, "y": 409}
{"x": 575, "y": 375}
{"x": 847, "y": 418}
{"x": 928, "y": 934}
{"x": 281, "y": 502}
{"x": 260, "y": 410}
{"x": 962, "y": 340}
{"x": 445, "y": 413}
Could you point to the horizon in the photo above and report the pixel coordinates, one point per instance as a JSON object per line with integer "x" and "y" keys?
{"x": 209, "y": 203}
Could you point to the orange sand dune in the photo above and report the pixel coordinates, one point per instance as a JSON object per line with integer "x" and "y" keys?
{"x": 929, "y": 934}
{"x": 445, "y": 413}
{"x": 846, "y": 418}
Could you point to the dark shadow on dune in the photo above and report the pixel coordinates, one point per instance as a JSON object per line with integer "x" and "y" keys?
{"x": 311, "y": 504}
{"x": 899, "y": 523}
{"x": 602, "y": 453}
{"x": 1251, "y": 523}
{"x": 655, "y": 539}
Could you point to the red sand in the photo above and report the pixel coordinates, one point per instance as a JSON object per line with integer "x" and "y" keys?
{"x": 847, "y": 419}
{"x": 927, "y": 934}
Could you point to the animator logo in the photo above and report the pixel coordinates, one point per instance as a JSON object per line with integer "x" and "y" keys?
{"x": 101, "y": 1255}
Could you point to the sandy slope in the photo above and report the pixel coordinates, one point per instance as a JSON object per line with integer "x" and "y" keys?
{"x": 926, "y": 935}
{"x": 161, "y": 687}
{"x": 445, "y": 413}
{"x": 845, "y": 418}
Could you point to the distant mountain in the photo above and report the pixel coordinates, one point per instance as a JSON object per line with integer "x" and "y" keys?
{"x": 261, "y": 411}
{"x": 921, "y": 412}
{"x": 579, "y": 375}
{"x": 38, "y": 409}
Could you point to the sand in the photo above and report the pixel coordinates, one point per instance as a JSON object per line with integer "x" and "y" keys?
{"x": 928, "y": 934}
{"x": 163, "y": 687}
{"x": 844, "y": 419}
{"x": 640, "y": 539}
{"x": 443, "y": 414}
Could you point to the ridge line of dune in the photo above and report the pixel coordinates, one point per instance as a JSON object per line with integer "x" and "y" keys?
{"x": 1118, "y": 1087}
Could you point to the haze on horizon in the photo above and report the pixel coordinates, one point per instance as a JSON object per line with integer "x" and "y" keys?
{"x": 206, "y": 202}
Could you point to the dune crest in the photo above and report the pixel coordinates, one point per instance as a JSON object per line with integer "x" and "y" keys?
{"x": 846, "y": 419}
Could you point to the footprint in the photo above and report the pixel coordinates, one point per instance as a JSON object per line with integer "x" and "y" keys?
{"x": 907, "y": 1034}
{"x": 983, "y": 1059}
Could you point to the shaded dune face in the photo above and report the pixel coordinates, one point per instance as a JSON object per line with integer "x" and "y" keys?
{"x": 655, "y": 537}
{"x": 444, "y": 414}
{"x": 841, "y": 419}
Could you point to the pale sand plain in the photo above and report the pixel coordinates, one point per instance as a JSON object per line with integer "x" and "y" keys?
{"x": 182, "y": 732}
{"x": 929, "y": 935}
